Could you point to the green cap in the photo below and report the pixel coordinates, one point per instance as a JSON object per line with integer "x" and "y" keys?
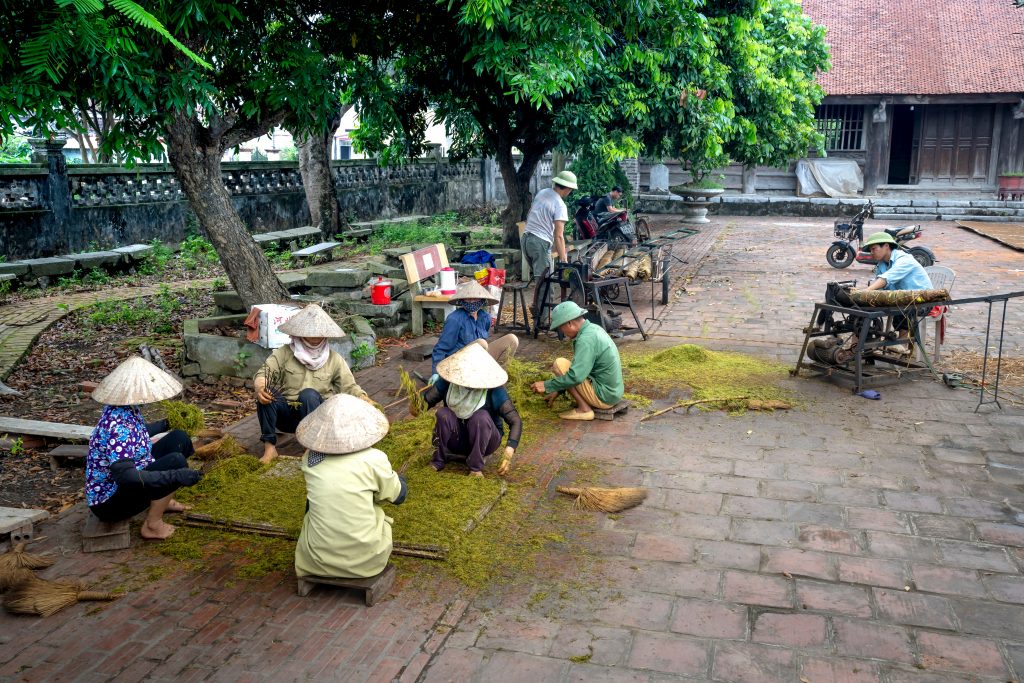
{"x": 565, "y": 312}
{"x": 878, "y": 238}
{"x": 566, "y": 179}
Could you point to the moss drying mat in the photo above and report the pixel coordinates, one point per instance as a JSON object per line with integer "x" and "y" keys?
{"x": 708, "y": 374}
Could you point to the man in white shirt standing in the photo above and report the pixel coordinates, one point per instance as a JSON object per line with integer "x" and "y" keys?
{"x": 545, "y": 225}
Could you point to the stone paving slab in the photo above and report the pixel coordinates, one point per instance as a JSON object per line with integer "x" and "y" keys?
{"x": 847, "y": 540}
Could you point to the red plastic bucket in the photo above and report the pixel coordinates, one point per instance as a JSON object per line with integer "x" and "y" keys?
{"x": 380, "y": 292}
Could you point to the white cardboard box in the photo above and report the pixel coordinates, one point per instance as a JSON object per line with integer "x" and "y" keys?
{"x": 273, "y": 316}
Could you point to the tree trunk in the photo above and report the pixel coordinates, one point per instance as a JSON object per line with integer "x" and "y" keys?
{"x": 517, "y": 189}
{"x": 317, "y": 180}
{"x": 195, "y": 156}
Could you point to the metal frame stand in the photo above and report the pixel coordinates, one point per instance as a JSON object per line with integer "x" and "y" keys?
{"x": 874, "y": 350}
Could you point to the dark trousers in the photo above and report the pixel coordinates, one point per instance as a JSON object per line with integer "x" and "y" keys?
{"x": 472, "y": 439}
{"x": 280, "y": 416}
{"x": 169, "y": 453}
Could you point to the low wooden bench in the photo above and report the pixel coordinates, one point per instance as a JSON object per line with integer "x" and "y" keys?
{"x": 374, "y": 588}
{"x": 18, "y": 522}
{"x": 98, "y": 536}
{"x": 419, "y": 265}
{"x": 68, "y": 455}
{"x": 620, "y": 408}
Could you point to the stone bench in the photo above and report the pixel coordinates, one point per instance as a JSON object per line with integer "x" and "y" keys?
{"x": 88, "y": 260}
{"x": 98, "y": 536}
{"x": 267, "y": 238}
{"x": 462, "y": 235}
{"x": 390, "y": 221}
{"x": 620, "y": 408}
{"x": 312, "y": 252}
{"x": 360, "y": 235}
{"x": 68, "y": 455}
{"x": 374, "y": 588}
{"x": 133, "y": 253}
{"x": 18, "y": 522}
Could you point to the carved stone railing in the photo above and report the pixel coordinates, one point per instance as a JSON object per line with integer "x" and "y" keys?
{"x": 114, "y": 186}
{"x": 22, "y": 192}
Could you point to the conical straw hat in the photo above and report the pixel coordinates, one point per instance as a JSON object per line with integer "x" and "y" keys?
{"x": 473, "y": 368}
{"x": 472, "y": 290}
{"x": 134, "y": 382}
{"x": 342, "y": 424}
{"x": 311, "y": 321}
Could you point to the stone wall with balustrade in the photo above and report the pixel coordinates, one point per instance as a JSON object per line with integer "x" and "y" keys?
{"x": 49, "y": 208}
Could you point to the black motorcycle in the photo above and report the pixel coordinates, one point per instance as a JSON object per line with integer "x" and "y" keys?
{"x": 850, "y": 233}
{"x": 613, "y": 226}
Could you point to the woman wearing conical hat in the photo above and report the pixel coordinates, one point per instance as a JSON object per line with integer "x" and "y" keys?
{"x": 298, "y": 377}
{"x": 470, "y": 424}
{"x": 125, "y": 473}
{"x": 345, "y": 533}
{"x": 469, "y": 322}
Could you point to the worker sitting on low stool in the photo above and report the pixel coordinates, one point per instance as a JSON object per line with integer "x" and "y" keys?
{"x": 594, "y": 377}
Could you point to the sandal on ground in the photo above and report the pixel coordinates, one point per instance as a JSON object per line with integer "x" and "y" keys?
{"x": 573, "y": 415}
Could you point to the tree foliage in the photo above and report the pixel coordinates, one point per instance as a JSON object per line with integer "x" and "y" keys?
{"x": 704, "y": 82}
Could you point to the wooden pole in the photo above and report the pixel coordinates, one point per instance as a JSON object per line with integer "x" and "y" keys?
{"x": 690, "y": 404}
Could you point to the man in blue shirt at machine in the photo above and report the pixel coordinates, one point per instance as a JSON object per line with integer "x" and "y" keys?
{"x": 896, "y": 270}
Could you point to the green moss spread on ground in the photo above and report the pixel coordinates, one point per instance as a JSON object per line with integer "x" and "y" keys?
{"x": 708, "y": 374}
{"x": 440, "y": 507}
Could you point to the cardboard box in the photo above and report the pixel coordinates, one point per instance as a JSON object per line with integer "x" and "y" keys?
{"x": 272, "y": 316}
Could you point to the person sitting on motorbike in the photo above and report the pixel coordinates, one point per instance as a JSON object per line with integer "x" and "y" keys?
{"x": 606, "y": 203}
{"x": 896, "y": 270}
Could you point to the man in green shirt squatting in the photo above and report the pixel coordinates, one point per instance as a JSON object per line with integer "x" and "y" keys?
{"x": 594, "y": 377}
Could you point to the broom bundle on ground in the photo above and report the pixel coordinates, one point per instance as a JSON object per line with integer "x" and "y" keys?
{"x": 13, "y": 577}
{"x": 605, "y": 499}
{"x": 17, "y": 558}
{"x": 43, "y": 598}
{"x": 407, "y": 386}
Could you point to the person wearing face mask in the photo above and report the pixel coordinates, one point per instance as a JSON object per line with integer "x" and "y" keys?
{"x": 300, "y": 376}
{"x": 471, "y": 322}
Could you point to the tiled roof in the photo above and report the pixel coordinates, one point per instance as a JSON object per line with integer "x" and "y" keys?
{"x": 910, "y": 47}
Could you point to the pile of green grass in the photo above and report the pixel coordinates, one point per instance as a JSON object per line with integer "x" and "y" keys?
{"x": 708, "y": 374}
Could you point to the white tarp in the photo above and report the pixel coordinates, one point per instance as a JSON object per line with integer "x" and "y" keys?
{"x": 834, "y": 177}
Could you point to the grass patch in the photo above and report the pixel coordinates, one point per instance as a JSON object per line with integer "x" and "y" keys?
{"x": 708, "y": 374}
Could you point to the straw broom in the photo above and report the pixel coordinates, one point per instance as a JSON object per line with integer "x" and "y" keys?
{"x": 605, "y": 499}
{"x": 13, "y": 577}
{"x": 43, "y": 598}
{"x": 17, "y": 558}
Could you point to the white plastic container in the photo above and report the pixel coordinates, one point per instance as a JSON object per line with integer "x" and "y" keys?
{"x": 272, "y": 316}
{"x": 447, "y": 279}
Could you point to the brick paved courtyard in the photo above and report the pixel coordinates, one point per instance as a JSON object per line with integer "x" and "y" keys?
{"x": 848, "y": 540}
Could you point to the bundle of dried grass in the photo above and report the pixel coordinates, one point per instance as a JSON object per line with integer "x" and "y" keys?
{"x": 17, "y": 558}
{"x": 13, "y": 577}
{"x": 224, "y": 447}
{"x": 898, "y": 297}
{"x": 184, "y": 416}
{"x": 605, "y": 499}
{"x": 43, "y": 598}
{"x": 639, "y": 268}
{"x": 413, "y": 393}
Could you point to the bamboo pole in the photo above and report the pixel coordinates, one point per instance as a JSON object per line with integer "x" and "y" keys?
{"x": 690, "y": 404}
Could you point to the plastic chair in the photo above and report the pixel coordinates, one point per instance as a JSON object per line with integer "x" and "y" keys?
{"x": 942, "y": 278}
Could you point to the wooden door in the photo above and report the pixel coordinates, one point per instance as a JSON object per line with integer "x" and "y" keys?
{"x": 953, "y": 144}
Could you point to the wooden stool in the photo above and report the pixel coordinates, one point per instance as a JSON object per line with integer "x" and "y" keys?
{"x": 518, "y": 291}
{"x": 374, "y": 587}
{"x": 620, "y": 408}
{"x": 99, "y": 536}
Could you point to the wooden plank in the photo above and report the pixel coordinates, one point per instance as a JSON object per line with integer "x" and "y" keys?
{"x": 620, "y": 408}
{"x": 51, "y": 430}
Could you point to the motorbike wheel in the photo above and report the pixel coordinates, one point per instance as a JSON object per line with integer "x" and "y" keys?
{"x": 922, "y": 256}
{"x": 643, "y": 230}
{"x": 840, "y": 256}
